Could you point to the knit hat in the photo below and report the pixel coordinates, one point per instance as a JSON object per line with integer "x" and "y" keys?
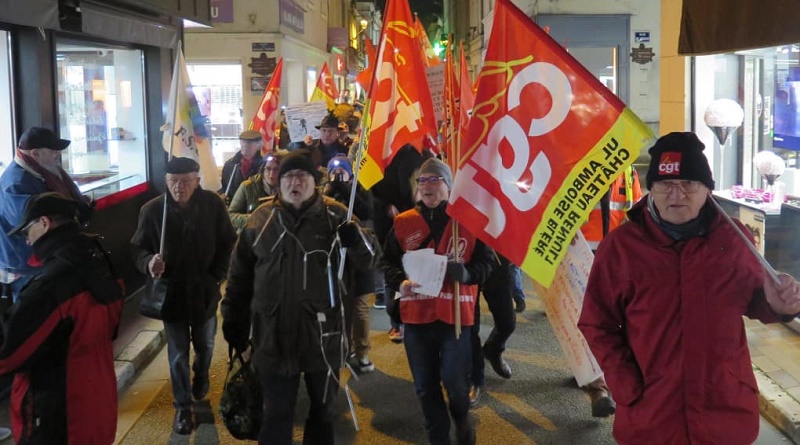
{"x": 434, "y": 166}
{"x": 679, "y": 155}
{"x": 298, "y": 160}
{"x": 341, "y": 161}
{"x": 178, "y": 166}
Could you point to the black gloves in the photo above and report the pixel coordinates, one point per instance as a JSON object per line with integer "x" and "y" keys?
{"x": 349, "y": 233}
{"x": 235, "y": 335}
{"x": 457, "y": 272}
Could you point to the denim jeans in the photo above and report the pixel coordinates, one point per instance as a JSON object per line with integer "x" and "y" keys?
{"x": 280, "y": 397}
{"x": 179, "y": 335}
{"x": 517, "y": 291}
{"x": 437, "y": 358}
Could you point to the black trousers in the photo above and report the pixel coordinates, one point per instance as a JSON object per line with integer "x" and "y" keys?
{"x": 497, "y": 290}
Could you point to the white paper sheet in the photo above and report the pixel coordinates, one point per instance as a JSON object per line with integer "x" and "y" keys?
{"x": 427, "y": 269}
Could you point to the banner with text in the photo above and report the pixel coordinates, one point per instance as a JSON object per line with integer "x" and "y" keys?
{"x": 545, "y": 141}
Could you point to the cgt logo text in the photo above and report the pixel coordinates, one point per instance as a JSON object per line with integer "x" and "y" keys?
{"x": 670, "y": 164}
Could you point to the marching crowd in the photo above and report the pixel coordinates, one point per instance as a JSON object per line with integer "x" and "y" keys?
{"x": 294, "y": 274}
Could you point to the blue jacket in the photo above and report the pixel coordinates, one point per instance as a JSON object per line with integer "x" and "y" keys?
{"x": 17, "y": 185}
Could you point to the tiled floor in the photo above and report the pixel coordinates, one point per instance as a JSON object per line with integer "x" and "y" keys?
{"x": 775, "y": 349}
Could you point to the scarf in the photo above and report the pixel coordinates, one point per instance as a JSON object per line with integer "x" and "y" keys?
{"x": 681, "y": 232}
{"x": 60, "y": 183}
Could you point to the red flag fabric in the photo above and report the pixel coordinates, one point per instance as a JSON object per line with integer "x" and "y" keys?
{"x": 326, "y": 88}
{"x": 467, "y": 95}
{"x": 545, "y": 141}
{"x": 264, "y": 120}
{"x": 401, "y": 109}
{"x": 429, "y": 54}
{"x": 364, "y": 78}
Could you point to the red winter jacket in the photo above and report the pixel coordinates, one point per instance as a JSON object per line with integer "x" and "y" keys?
{"x": 57, "y": 342}
{"x": 664, "y": 320}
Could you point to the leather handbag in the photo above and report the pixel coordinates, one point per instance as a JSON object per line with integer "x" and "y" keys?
{"x": 155, "y": 297}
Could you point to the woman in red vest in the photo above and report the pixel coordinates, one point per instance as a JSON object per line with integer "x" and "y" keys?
{"x": 436, "y": 355}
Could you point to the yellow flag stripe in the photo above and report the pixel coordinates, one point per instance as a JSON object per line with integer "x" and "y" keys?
{"x": 586, "y": 183}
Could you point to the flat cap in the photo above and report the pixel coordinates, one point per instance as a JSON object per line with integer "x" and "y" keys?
{"x": 178, "y": 166}
{"x": 251, "y": 135}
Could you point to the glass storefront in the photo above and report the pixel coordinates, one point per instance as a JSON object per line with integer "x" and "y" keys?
{"x": 101, "y": 110}
{"x": 6, "y": 103}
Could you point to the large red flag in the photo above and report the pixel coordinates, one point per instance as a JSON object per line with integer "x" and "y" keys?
{"x": 264, "y": 120}
{"x": 400, "y": 109}
{"x": 546, "y": 140}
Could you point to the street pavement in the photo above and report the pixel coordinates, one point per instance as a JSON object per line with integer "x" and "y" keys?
{"x": 541, "y": 404}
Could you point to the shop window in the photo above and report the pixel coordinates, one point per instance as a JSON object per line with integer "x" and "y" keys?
{"x": 218, "y": 89}
{"x": 6, "y": 105}
{"x": 101, "y": 109}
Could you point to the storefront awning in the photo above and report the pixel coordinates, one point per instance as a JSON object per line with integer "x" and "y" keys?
{"x": 38, "y": 13}
{"x": 719, "y": 26}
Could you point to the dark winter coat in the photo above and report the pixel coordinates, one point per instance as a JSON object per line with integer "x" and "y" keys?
{"x": 250, "y": 195}
{"x": 57, "y": 340}
{"x": 278, "y": 280}
{"x": 197, "y": 248}
{"x": 232, "y": 173}
{"x": 664, "y": 320}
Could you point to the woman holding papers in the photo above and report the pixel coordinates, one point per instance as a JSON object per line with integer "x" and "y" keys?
{"x": 437, "y": 355}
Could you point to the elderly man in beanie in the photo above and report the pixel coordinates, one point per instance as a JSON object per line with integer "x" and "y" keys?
{"x": 36, "y": 169}
{"x": 664, "y": 305}
{"x": 282, "y": 282}
{"x": 244, "y": 164}
{"x": 436, "y": 356}
{"x": 57, "y": 338}
{"x": 256, "y": 189}
{"x": 198, "y": 238}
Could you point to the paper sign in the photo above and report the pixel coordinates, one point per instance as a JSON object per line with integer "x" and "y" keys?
{"x": 427, "y": 269}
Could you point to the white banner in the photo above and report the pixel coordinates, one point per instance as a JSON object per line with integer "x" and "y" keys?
{"x": 436, "y": 85}
{"x": 303, "y": 119}
{"x": 563, "y": 302}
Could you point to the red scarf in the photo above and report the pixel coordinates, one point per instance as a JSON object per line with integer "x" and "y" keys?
{"x": 245, "y": 165}
{"x": 62, "y": 183}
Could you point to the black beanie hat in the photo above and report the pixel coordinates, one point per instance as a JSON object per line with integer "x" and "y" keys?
{"x": 679, "y": 155}
{"x": 298, "y": 160}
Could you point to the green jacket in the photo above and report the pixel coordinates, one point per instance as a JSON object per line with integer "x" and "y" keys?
{"x": 247, "y": 198}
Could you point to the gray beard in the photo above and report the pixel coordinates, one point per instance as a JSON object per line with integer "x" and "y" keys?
{"x": 54, "y": 169}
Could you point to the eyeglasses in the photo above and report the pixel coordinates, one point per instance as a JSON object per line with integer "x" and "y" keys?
{"x": 29, "y": 226}
{"x": 432, "y": 180}
{"x": 685, "y": 187}
{"x": 297, "y": 176}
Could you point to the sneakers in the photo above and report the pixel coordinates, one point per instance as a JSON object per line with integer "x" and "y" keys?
{"x": 360, "y": 365}
{"x": 379, "y": 302}
{"x": 475, "y": 393}
{"x": 396, "y": 335}
{"x": 183, "y": 424}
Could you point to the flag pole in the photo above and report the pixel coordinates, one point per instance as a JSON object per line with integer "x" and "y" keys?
{"x": 452, "y": 160}
{"x": 171, "y": 129}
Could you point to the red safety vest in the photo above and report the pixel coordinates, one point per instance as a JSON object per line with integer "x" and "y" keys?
{"x": 411, "y": 230}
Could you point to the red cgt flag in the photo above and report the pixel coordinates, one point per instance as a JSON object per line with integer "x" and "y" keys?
{"x": 428, "y": 53}
{"x": 325, "y": 88}
{"x": 264, "y": 120}
{"x": 545, "y": 141}
{"x": 400, "y": 109}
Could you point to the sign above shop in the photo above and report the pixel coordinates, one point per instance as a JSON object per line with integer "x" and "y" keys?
{"x": 222, "y": 11}
{"x": 641, "y": 36}
{"x": 260, "y": 47}
{"x": 642, "y": 54}
{"x": 263, "y": 65}
{"x": 292, "y": 16}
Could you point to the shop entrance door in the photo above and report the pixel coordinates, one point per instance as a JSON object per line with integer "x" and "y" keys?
{"x": 599, "y": 43}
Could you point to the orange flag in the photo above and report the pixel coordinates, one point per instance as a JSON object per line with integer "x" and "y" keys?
{"x": 545, "y": 141}
{"x": 264, "y": 120}
{"x": 364, "y": 78}
{"x": 467, "y": 101}
{"x": 326, "y": 88}
{"x": 430, "y": 56}
{"x": 400, "y": 109}
{"x": 450, "y": 109}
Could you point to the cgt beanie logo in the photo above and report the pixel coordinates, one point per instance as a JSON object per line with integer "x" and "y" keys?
{"x": 670, "y": 164}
